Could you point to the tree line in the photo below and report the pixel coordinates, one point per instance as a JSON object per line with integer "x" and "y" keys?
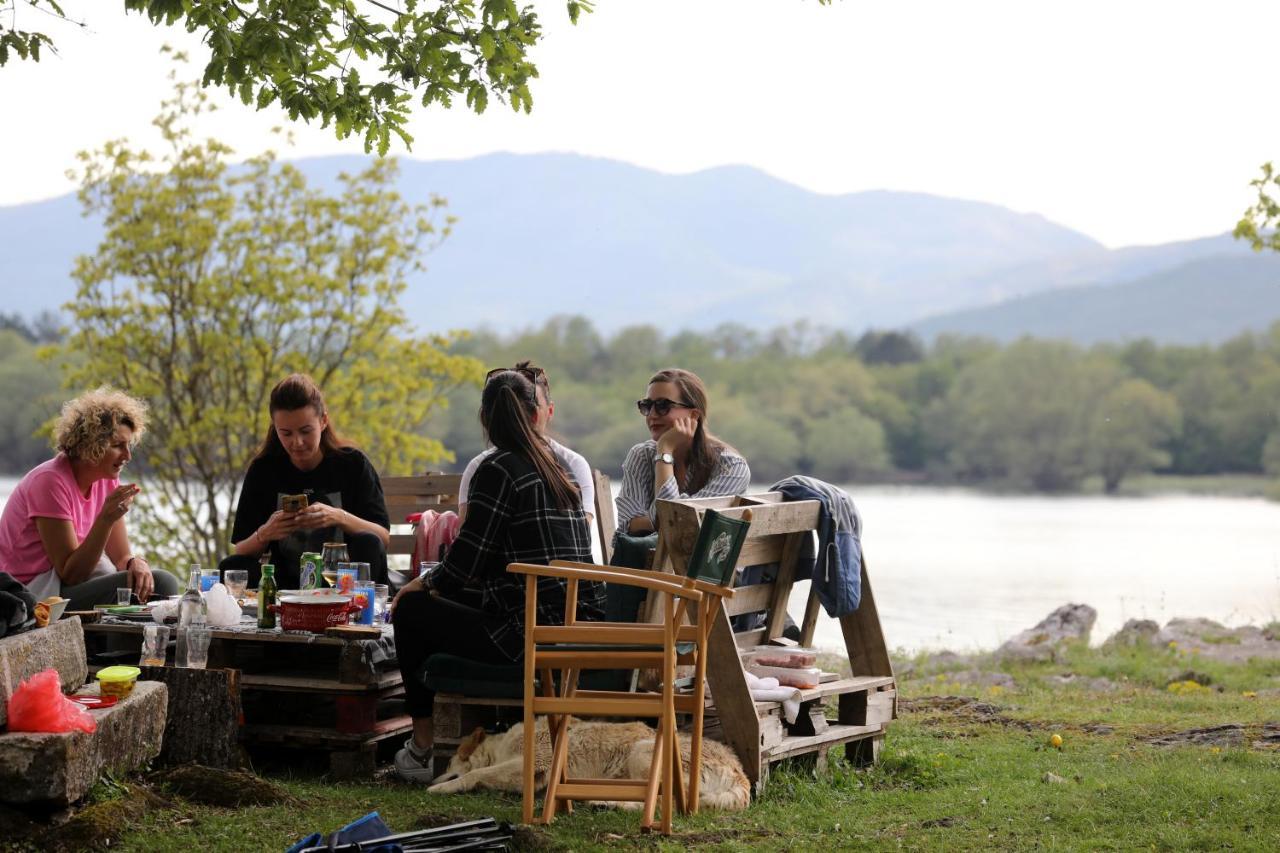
{"x": 1033, "y": 415}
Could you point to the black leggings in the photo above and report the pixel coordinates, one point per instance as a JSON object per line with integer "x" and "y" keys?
{"x": 425, "y": 625}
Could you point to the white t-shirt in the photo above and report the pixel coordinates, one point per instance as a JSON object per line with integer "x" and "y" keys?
{"x": 573, "y": 462}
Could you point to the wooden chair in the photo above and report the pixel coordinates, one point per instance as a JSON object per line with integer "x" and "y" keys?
{"x": 566, "y": 650}
{"x": 866, "y": 700}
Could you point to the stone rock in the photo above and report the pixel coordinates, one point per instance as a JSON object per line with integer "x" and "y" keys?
{"x": 1070, "y": 679}
{"x": 1211, "y": 640}
{"x": 982, "y": 678}
{"x": 1135, "y": 632}
{"x": 1228, "y": 734}
{"x": 61, "y": 768}
{"x": 1069, "y": 623}
{"x": 60, "y": 645}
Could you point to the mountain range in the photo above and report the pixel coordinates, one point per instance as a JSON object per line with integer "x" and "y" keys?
{"x": 546, "y": 234}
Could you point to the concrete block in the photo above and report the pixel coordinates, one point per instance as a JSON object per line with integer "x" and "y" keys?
{"x": 60, "y": 645}
{"x": 61, "y": 768}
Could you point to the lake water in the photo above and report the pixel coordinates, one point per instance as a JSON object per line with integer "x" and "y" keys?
{"x": 961, "y": 570}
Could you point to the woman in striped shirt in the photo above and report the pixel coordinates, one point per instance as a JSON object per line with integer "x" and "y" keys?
{"x": 681, "y": 459}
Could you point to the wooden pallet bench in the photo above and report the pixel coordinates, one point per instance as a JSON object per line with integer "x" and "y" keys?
{"x": 304, "y": 690}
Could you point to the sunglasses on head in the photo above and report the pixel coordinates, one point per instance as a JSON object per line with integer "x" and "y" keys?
{"x": 661, "y": 405}
{"x": 533, "y": 374}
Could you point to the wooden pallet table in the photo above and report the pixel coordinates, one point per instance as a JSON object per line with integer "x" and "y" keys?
{"x": 299, "y": 690}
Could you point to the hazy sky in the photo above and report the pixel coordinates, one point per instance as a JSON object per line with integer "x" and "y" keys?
{"x": 1134, "y": 122}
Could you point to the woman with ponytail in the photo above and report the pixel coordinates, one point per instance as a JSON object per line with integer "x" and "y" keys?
{"x": 681, "y": 459}
{"x": 522, "y": 507}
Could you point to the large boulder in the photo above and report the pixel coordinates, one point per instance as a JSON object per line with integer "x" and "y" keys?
{"x": 1134, "y": 633}
{"x": 1069, "y": 623}
{"x": 60, "y": 645}
{"x": 1209, "y": 639}
{"x": 61, "y": 768}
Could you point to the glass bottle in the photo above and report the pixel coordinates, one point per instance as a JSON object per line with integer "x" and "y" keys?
{"x": 191, "y": 611}
{"x": 267, "y": 597}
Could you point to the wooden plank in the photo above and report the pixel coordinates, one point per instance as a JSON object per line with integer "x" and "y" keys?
{"x": 422, "y": 484}
{"x": 401, "y": 543}
{"x": 321, "y": 736}
{"x": 749, "y": 599}
{"x": 606, "y": 514}
{"x": 834, "y": 735}
{"x": 737, "y": 712}
{"x": 749, "y": 639}
{"x": 777, "y": 618}
{"x": 810, "y": 623}
{"x": 863, "y": 636}
{"x": 765, "y": 550}
{"x": 635, "y": 705}
{"x": 608, "y": 790}
{"x": 283, "y": 683}
{"x": 845, "y": 685}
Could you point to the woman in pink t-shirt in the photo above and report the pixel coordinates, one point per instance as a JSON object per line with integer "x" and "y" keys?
{"x": 63, "y": 531}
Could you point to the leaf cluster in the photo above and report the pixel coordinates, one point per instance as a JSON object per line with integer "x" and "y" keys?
{"x": 212, "y": 283}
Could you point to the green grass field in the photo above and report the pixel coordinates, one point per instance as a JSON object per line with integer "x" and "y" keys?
{"x": 964, "y": 767}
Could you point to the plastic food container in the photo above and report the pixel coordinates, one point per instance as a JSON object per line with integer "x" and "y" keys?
{"x": 788, "y": 676}
{"x": 792, "y": 657}
{"x": 117, "y": 681}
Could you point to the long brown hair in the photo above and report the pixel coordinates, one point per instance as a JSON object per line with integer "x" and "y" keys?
{"x": 508, "y": 406}
{"x": 705, "y": 450}
{"x": 299, "y": 391}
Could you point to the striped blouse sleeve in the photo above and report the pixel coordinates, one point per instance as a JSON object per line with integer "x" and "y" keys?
{"x": 637, "y": 497}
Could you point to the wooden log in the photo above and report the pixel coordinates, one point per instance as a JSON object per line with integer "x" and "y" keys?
{"x": 203, "y": 723}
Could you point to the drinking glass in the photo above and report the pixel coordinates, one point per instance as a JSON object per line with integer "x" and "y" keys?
{"x": 155, "y": 644}
{"x": 124, "y": 595}
{"x": 348, "y": 574}
{"x": 236, "y": 580}
{"x": 365, "y": 596}
{"x": 362, "y": 572}
{"x": 381, "y": 592}
{"x": 208, "y": 577}
{"x": 198, "y": 637}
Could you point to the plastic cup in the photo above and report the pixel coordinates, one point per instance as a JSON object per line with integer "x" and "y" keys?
{"x": 380, "y": 592}
{"x": 208, "y": 577}
{"x": 124, "y": 595}
{"x": 198, "y": 637}
{"x": 155, "y": 644}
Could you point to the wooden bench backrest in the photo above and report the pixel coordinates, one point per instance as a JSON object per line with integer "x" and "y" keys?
{"x": 777, "y": 533}
{"x": 406, "y": 495}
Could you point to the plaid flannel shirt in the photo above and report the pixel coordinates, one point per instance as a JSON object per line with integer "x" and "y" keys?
{"x": 512, "y": 518}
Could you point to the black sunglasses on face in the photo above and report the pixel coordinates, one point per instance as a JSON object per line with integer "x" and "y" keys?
{"x": 661, "y": 405}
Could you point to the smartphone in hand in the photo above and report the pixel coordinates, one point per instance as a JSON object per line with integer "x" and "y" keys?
{"x": 293, "y": 503}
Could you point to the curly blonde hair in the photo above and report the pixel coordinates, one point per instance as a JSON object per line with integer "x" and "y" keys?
{"x": 87, "y": 424}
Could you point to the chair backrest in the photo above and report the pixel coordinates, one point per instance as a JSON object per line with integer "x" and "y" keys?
{"x": 606, "y": 515}
{"x": 714, "y": 555}
{"x": 407, "y": 495}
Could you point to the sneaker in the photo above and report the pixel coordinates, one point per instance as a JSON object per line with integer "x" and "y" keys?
{"x": 413, "y": 764}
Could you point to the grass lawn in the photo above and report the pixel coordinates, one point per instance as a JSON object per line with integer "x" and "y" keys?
{"x": 964, "y": 767}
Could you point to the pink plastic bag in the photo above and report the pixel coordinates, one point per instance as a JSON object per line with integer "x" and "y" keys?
{"x": 39, "y": 706}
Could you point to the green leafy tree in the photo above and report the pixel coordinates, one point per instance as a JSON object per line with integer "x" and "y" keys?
{"x": 356, "y": 65}
{"x": 212, "y": 283}
{"x": 30, "y": 388}
{"x": 845, "y": 446}
{"x": 1131, "y": 424}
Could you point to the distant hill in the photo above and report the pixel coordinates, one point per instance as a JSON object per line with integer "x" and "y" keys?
{"x": 558, "y": 233}
{"x": 547, "y": 234}
{"x": 1203, "y": 301}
